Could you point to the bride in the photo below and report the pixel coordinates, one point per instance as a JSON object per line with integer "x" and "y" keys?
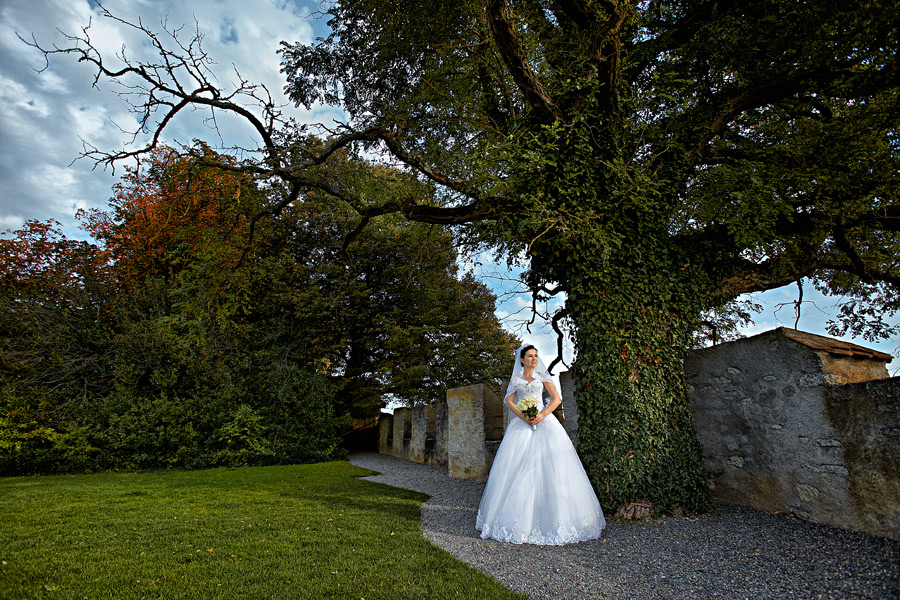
{"x": 537, "y": 491}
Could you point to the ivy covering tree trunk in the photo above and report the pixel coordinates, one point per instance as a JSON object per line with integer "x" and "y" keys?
{"x": 635, "y": 432}
{"x": 633, "y": 304}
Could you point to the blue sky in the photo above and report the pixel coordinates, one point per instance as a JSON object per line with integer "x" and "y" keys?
{"x": 45, "y": 116}
{"x": 778, "y": 311}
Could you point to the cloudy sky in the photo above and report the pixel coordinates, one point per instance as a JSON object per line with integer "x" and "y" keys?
{"x": 44, "y": 116}
{"x": 47, "y": 113}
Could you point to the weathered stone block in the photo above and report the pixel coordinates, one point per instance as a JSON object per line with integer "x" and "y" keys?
{"x": 494, "y": 407}
{"x": 863, "y": 415}
{"x": 422, "y": 424}
{"x": 780, "y": 432}
{"x": 386, "y": 433}
{"x": 475, "y": 418}
{"x": 402, "y": 432}
{"x": 441, "y": 435}
{"x": 807, "y": 493}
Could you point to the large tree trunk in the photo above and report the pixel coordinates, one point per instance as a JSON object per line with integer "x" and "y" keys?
{"x": 602, "y": 233}
{"x": 636, "y": 436}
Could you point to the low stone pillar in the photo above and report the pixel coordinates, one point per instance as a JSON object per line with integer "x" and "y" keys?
{"x": 569, "y": 408}
{"x": 440, "y": 455}
{"x": 402, "y": 432}
{"x": 421, "y": 440}
{"x": 386, "y": 433}
{"x": 475, "y": 418}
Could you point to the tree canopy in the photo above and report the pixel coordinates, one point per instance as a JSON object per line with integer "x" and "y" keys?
{"x": 652, "y": 160}
{"x": 183, "y": 341}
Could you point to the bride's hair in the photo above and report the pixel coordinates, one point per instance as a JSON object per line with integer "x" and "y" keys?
{"x": 540, "y": 370}
{"x": 525, "y": 350}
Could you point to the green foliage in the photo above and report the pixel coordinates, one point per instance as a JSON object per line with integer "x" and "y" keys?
{"x": 652, "y": 160}
{"x": 165, "y": 349}
{"x": 53, "y": 329}
{"x": 723, "y": 324}
{"x": 393, "y": 315}
{"x": 300, "y": 408}
{"x": 25, "y": 445}
{"x": 242, "y": 439}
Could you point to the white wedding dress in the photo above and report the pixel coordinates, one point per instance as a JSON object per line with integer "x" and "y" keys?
{"x": 537, "y": 491}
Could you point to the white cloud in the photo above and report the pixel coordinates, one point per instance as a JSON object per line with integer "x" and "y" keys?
{"x": 11, "y": 222}
{"x": 53, "y": 83}
{"x": 87, "y": 122}
{"x": 58, "y": 184}
{"x": 15, "y": 99}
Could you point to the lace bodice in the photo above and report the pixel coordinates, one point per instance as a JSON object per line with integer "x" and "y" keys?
{"x": 533, "y": 388}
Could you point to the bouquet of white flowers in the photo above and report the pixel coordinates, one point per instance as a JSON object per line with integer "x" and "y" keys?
{"x": 528, "y": 406}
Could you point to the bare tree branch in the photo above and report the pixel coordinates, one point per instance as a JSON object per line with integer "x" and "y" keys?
{"x": 559, "y": 316}
{"x": 516, "y": 59}
{"x": 181, "y": 79}
{"x": 159, "y": 91}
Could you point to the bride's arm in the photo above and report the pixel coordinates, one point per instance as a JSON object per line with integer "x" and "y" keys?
{"x": 511, "y": 405}
{"x": 555, "y": 401}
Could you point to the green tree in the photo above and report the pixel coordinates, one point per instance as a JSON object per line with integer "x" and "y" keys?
{"x": 183, "y": 341}
{"x": 55, "y": 333}
{"x": 387, "y": 306}
{"x": 653, "y": 160}
{"x": 414, "y": 327}
{"x": 228, "y": 323}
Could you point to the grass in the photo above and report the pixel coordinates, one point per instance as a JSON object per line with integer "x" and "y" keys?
{"x": 305, "y": 531}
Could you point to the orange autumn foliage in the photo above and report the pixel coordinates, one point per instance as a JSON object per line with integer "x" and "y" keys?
{"x": 165, "y": 206}
{"x": 40, "y": 262}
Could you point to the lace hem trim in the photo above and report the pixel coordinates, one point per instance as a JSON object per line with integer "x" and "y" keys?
{"x": 563, "y": 534}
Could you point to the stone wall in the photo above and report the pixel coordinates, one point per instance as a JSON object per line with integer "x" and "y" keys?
{"x": 423, "y": 427}
{"x": 386, "y": 433}
{"x": 781, "y": 428}
{"x": 866, "y": 419}
{"x": 462, "y": 433}
{"x": 418, "y": 434}
{"x": 778, "y": 436}
{"x": 402, "y": 432}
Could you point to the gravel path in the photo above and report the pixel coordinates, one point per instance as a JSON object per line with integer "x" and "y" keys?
{"x": 733, "y": 553}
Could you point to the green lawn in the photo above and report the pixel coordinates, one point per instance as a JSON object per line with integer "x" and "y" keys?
{"x": 307, "y": 531}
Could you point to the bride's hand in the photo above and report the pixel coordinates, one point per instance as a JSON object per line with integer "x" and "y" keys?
{"x": 536, "y": 419}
